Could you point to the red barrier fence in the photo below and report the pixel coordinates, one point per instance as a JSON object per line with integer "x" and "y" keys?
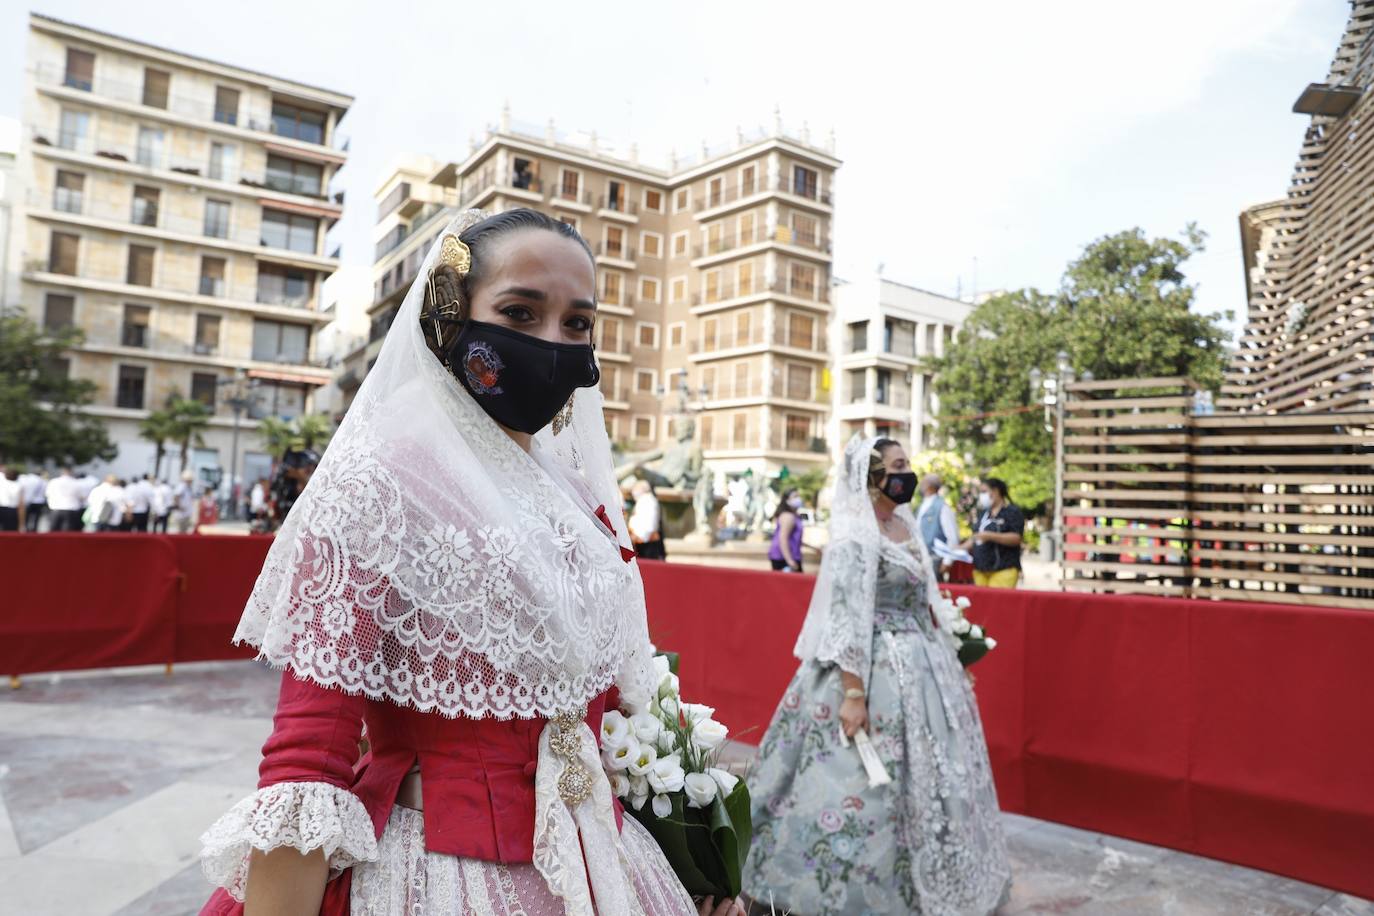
{"x": 1238, "y": 731}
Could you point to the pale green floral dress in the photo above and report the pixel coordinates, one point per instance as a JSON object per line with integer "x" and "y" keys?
{"x": 930, "y": 842}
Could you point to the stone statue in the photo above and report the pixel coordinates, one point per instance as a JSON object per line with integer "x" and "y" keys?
{"x": 759, "y": 493}
{"x": 704, "y": 503}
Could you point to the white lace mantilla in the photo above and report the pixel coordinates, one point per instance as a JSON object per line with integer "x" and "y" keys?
{"x": 433, "y": 563}
{"x": 303, "y": 815}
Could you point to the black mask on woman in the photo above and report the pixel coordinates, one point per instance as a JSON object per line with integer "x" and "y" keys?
{"x": 520, "y": 381}
{"x": 900, "y": 487}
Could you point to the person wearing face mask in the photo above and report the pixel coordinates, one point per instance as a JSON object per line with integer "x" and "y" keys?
{"x": 785, "y": 551}
{"x": 996, "y": 540}
{"x": 828, "y": 836}
{"x": 455, "y": 575}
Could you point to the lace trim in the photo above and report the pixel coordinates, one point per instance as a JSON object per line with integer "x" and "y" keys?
{"x": 303, "y": 815}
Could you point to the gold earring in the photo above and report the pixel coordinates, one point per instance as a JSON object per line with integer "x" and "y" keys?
{"x": 563, "y": 419}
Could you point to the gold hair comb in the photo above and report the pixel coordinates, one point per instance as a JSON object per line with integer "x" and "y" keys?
{"x": 455, "y": 253}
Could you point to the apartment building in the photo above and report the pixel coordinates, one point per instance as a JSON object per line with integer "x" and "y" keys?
{"x": 11, "y": 192}
{"x": 884, "y": 332}
{"x": 177, "y": 211}
{"x": 714, "y": 278}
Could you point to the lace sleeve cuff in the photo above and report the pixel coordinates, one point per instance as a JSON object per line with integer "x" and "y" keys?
{"x": 303, "y": 815}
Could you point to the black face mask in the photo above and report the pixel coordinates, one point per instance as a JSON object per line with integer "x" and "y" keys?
{"x": 520, "y": 381}
{"x": 900, "y": 487}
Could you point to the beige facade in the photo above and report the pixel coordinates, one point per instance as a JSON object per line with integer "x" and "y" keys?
{"x": 884, "y": 332}
{"x": 715, "y": 273}
{"x": 177, "y": 212}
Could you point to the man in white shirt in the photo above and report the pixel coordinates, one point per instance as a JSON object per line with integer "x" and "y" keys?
{"x": 184, "y": 505}
{"x": 108, "y": 503}
{"x": 162, "y": 505}
{"x": 11, "y": 501}
{"x": 66, "y": 498}
{"x": 644, "y": 523}
{"x": 34, "y": 487}
{"x": 140, "y": 496}
{"x": 935, "y": 520}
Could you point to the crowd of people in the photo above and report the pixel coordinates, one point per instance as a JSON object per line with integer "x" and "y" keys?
{"x": 37, "y": 502}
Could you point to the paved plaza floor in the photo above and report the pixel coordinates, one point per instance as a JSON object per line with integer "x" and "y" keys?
{"x": 107, "y": 779}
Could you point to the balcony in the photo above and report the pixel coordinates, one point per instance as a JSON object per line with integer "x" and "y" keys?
{"x": 808, "y": 240}
{"x": 810, "y": 292}
{"x": 726, "y": 196}
{"x": 393, "y": 239}
{"x": 616, "y": 250}
{"x": 619, "y": 206}
{"x": 806, "y": 190}
{"x": 782, "y": 441}
{"x": 730, "y": 391}
{"x": 399, "y": 195}
{"x": 570, "y": 197}
{"x": 812, "y": 343}
{"x": 182, "y": 106}
{"x": 720, "y": 342}
{"x": 727, "y": 243}
{"x": 617, "y": 347}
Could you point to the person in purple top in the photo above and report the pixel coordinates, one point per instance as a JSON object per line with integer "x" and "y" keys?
{"x": 785, "y": 552}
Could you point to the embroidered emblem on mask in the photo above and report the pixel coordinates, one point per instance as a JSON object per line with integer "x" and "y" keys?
{"x": 483, "y": 368}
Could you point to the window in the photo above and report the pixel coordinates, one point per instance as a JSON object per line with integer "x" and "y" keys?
{"x": 58, "y": 367}
{"x": 610, "y": 288}
{"x": 675, "y": 334}
{"x": 745, "y": 274}
{"x": 680, "y": 244}
{"x": 76, "y": 127}
{"x": 151, "y": 142}
{"x": 708, "y": 334}
{"x": 644, "y": 428}
{"x": 708, "y": 380}
{"x": 644, "y": 381}
{"x": 679, "y": 289}
{"x": 570, "y": 186}
{"x": 682, "y": 200}
{"x": 615, "y": 242}
{"x": 715, "y": 192}
{"x": 887, "y": 335}
{"x": 798, "y": 431}
{"x": 140, "y": 267}
{"x": 135, "y": 330}
{"x": 799, "y": 387}
{"x": 930, "y": 340}
{"x": 155, "y": 84}
{"x": 858, "y": 384}
{"x": 226, "y": 105}
{"x": 741, "y": 380}
{"x": 714, "y": 236}
{"x": 803, "y": 280}
{"x": 746, "y": 181}
{"x": 708, "y": 432}
{"x": 712, "y": 293}
{"x": 222, "y": 157}
{"x": 569, "y": 220}
{"x": 145, "y": 206}
{"x": 207, "y": 334}
{"x": 279, "y": 342}
{"x": 278, "y": 399}
{"x": 804, "y": 182}
{"x": 217, "y": 219}
{"x": 615, "y": 196}
{"x": 80, "y": 69}
{"x": 297, "y": 123}
{"x": 59, "y": 312}
{"x": 610, "y": 335}
{"x": 62, "y": 253}
{"x": 858, "y": 336}
{"x": 800, "y": 331}
{"x": 68, "y": 196}
{"x": 746, "y": 229}
{"x": 739, "y": 432}
{"x": 525, "y": 176}
{"x": 212, "y": 277}
{"x": 648, "y": 289}
{"x": 280, "y": 285}
{"x": 290, "y": 231}
{"x": 648, "y": 334}
{"x": 294, "y": 177}
{"x": 804, "y": 230}
{"x": 203, "y": 388}
{"x": 651, "y": 244}
{"x": 129, "y": 392}
{"x": 743, "y": 324}
{"x": 882, "y": 386}
{"x": 653, "y": 200}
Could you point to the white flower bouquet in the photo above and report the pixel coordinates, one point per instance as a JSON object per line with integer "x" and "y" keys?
{"x": 661, "y": 760}
{"x": 970, "y": 640}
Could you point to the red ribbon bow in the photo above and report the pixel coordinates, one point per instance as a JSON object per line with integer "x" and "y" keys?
{"x": 626, "y": 553}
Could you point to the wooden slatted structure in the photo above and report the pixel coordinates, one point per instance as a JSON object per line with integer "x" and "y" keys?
{"x": 1164, "y": 500}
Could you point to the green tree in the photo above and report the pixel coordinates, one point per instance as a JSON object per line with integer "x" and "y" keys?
{"x": 41, "y": 406}
{"x": 157, "y": 428}
{"x": 314, "y": 429}
{"x": 278, "y": 436}
{"x": 1124, "y": 309}
{"x": 186, "y": 420}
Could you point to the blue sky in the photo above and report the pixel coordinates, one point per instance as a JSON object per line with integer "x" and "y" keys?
{"x": 1009, "y": 133}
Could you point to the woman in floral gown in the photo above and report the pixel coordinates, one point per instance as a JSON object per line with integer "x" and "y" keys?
{"x": 873, "y": 659}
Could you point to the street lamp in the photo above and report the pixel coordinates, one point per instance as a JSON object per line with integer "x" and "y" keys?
{"x": 240, "y": 395}
{"x": 1053, "y": 392}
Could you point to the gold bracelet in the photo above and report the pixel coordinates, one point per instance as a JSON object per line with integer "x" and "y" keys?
{"x": 855, "y": 693}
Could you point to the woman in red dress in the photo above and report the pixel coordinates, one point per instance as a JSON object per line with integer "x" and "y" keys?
{"x": 451, "y": 592}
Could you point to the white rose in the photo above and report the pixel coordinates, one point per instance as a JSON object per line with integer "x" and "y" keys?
{"x": 646, "y": 727}
{"x": 962, "y": 602}
{"x": 663, "y": 806}
{"x": 667, "y": 742}
{"x": 615, "y": 730}
{"x": 620, "y": 785}
{"x": 666, "y": 775}
{"x": 639, "y": 785}
{"x": 992, "y": 643}
{"x": 669, "y": 707}
{"x": 701, "y": 790}
{"x": 708, "y": 734}
{"x": 635, "y": 701}
{"x": 724, "y": 779}
{"x": 642, "y": 762}
{"x": 960, "y": 626}
{"x": 661, "y": 666}
{"x": 637, "y": 799}
{"x": 620, "y": 758}
{"x": 976, "y": 632}
{"x": 695, "y": 712}
{"x": 668, "y": 686}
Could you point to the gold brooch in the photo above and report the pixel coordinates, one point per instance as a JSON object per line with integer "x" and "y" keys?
{"x": 455, "y": 253}
{"x": 574, "y": 783}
